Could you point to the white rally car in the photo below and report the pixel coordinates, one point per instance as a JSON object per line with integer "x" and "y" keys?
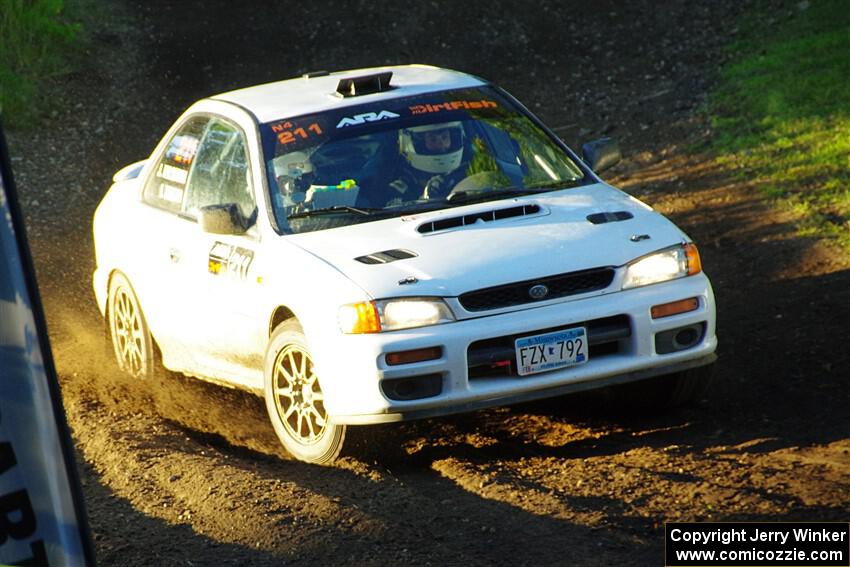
{"x": 390, "y": 244}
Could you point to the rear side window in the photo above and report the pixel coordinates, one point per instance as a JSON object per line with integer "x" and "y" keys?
{"x": 167, "y": 184}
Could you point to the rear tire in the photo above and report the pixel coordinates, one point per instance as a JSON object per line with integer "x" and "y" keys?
{"x": 295, "y": 401}
{"x": 131, "y": 338}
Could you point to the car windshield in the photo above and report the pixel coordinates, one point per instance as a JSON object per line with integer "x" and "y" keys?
{"x": 437, "y": 150}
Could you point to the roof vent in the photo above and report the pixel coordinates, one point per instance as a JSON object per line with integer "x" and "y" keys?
{"x": 386, "y": 256}
{"x": 487, "y": 216}
{"x": 367, "y": 84}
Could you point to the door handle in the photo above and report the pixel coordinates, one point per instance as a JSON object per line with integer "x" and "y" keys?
{"x": 174, "y": 254}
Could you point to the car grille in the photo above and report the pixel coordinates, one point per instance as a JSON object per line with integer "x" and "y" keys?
{"x": 496, "y": 357}
{"x": 517, "y": 293}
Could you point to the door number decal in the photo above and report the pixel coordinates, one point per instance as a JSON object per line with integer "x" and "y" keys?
{"x": 228, "y": 260}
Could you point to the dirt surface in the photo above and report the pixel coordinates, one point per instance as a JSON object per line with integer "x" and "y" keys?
{"x": 178, "y": 472}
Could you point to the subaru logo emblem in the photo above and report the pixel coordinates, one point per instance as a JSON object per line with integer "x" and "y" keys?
{"x": 538, "y": 291}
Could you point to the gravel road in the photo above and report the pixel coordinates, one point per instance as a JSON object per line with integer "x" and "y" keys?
{"x": 178, "y": 472}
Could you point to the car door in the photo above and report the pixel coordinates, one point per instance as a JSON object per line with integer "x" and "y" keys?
{"x": 157, "y": 234}
{"x": 221, "y": 283}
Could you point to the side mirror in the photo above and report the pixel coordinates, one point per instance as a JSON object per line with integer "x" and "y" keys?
{"x": 222, "y": 219}
{"x": 601, "y": 154}
{"x": 129, "y": 172}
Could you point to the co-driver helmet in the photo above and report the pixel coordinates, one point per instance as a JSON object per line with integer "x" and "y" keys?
{"x": 294, "y": 172}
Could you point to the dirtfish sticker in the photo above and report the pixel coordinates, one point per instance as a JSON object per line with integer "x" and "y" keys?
{"x": 229, "y": 260}
{"x": 359, "y": 119}
{"x": 453, "y": 105}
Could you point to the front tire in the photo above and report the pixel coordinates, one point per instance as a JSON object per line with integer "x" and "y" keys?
{"x": 690, "y": 385}
{"x": 663, "y": 392}
{"x": 131, "y": 338}
{"x": 295, "y": 401}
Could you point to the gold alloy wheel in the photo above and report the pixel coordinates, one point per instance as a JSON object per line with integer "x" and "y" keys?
{"x": 298, "y": 399}
{"x": 128, "y": 333}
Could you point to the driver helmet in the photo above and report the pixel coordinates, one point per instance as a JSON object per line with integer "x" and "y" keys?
{"x": 435, "y": 148}
{"x": 294, "y": 172}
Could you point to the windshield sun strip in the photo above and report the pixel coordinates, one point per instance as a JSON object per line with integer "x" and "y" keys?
{"x": 377, "y": 127}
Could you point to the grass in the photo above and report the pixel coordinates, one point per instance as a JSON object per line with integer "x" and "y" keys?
{"x": 782, "y": 111}
{"x": 35, "y": 44}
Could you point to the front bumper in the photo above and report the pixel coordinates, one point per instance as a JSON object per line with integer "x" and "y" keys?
{"x": 352, "y": 367}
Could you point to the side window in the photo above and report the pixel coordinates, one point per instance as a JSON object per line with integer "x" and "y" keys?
{"x": 167, "y": 184}
{"x": 221, "y": 174}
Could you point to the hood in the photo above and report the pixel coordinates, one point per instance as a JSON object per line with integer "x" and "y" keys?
{"x": 487, "y": 244}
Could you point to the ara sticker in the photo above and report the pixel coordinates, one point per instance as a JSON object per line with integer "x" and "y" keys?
{"x": 229, "y": 260}
{"x": 359, "y": 119}
{"x": 453, "y": 105}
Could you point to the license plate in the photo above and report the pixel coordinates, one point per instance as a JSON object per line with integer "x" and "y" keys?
{"x": 551, "y": 351}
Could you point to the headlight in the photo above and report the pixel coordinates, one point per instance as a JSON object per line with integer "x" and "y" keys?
{"x": 677, "y": 262}
{"x": 393, "y": 314}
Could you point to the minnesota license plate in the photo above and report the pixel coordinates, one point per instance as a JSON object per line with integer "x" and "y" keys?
{"x": 551, "y": 351}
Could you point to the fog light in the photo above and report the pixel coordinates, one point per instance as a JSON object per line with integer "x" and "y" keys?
{"x": 416, "y": 355}
{"x": 682, "y": 338}
{"x": 674, "y": 308}
{"x": 414, "y": 388}
{"x": 685, "y": 338}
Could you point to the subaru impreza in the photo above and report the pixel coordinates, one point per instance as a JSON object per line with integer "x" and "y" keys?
{"x": 390, "y": 244}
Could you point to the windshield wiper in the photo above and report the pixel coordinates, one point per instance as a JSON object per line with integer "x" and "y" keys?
{"x": 334, "y": 210}
{"x": 463, "y": 197}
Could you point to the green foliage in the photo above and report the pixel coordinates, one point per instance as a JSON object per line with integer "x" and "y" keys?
{"x": 783, "y": 111}
{"x": 482, "y": 161}
{"x": 34, "y": 45}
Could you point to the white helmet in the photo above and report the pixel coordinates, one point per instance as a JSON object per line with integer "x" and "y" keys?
{"x": 293, "y": 171}
{"x": 435, "y": 148}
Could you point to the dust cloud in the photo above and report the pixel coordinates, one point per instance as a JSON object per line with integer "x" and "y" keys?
{"x": 89, "y": 374}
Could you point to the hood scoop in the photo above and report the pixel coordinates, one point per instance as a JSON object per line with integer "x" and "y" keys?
{"x": 473, "y": 218}
{"x": 386, "y": 256}
{"x": 602, "y": 218}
